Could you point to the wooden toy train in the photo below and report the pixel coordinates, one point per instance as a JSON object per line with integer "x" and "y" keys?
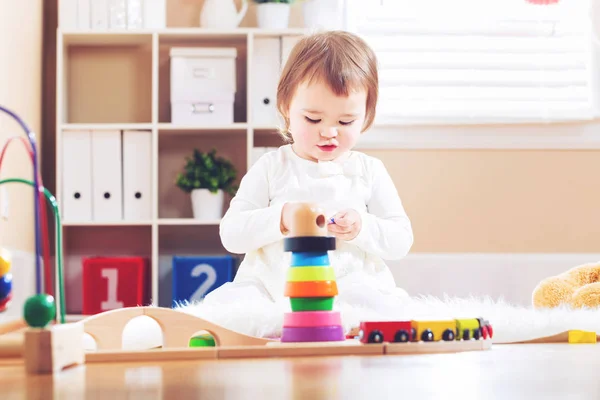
{"x": 425, "y": 330}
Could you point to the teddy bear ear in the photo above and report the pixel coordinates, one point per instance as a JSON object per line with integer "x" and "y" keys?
{"x": 552, "y": 292}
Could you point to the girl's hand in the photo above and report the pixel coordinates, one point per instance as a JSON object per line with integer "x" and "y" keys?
{"x": 345, "y": 224}
{"x": 287, "y": 214}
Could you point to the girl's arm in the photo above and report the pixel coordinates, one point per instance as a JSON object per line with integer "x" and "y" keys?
{"x": 250, "y": 223}
{"x": 386, "y": 229}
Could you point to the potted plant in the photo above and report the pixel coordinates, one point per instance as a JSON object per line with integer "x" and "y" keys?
{"x": 207, "y": 178}
{"x": 273, "y": 14}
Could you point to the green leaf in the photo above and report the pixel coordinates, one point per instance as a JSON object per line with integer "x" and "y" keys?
{"x": 206, "y": 170}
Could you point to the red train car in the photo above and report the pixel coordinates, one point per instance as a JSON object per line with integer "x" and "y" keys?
{"x": 386, "y": 331}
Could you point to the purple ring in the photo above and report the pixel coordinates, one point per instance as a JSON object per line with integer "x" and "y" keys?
{"x": 313, "y": 334}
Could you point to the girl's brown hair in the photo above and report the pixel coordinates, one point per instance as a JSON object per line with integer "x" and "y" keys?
{"x": 341, "y": 59}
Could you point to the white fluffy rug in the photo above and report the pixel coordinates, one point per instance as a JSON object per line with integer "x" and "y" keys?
{"x": 511, "y": 323}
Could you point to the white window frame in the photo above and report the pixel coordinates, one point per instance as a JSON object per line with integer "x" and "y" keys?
{"x": 584, "y": 134}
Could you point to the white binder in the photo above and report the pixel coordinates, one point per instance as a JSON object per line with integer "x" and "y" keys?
{"x": 117, "y": 14}
{"x": 134, "y": 14}
{"x": 99, "y": 14}
{"x": 67, "y": 14}
{"x": 83, "y": 14}
{"x": 155, "y": 14}
{"x": 137, "y": 175}
{"x": 265, "y": 75}
{"x": 77, "y": 176}
{"x": 107, "y": 181}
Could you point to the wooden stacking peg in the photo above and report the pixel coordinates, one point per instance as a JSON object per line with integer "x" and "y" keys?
{"x": 308, "y": 220}
{"x": 311, "y": 282}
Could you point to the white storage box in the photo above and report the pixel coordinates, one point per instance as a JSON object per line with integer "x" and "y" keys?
{"x": 215, "y": 109}
{"x": 203, "y": 85}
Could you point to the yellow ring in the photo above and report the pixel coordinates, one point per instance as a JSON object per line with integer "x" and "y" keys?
{"x": 301, "y": 274}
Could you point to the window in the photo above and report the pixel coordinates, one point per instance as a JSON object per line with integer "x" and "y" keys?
{"x": 479, "y": 61}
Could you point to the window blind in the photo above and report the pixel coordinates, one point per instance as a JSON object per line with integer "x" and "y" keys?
{"x": 479, "y": 61}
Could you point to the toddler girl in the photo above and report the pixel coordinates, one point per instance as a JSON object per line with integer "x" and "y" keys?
{"x": 327, "y": 97}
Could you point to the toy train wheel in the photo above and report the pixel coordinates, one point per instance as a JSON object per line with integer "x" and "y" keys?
{"x": 466, "y": 334}
{"x": 376, "y": 336}
{"x": 485, "y": 332}
{"x": 477, "y": 333}
{"x": 448, "y": 335}
{"x": 401, "y": 336}
{"x": 413, "y": 335}
{"x": 427, "y": 335}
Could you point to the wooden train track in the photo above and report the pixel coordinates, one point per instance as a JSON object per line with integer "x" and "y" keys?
{"x": 51, "y": 349}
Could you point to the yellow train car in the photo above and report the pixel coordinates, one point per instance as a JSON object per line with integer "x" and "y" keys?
{"x": 468, "y": 328}
{"x": 434, "y": 330}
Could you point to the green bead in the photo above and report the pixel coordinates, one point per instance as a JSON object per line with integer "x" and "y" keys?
{"x": 39, "y": 310}
{"x": 311, "y": 303}
{"x": 202, "y": 341}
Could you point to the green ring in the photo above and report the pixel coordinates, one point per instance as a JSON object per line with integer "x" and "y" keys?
{"x": 311, "y": 303}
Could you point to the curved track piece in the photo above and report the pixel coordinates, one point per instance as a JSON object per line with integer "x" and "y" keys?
{"x": 13, "y": 326}
{"x": 177, "y": 328}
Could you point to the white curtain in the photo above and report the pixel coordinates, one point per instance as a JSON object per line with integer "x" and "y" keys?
{"x": 479, "y": 61}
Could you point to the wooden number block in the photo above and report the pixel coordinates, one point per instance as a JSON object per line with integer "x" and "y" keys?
{"x": 50, "y": 350}
{"x": 111, "y": 283}
{"x": 195, "y": 277}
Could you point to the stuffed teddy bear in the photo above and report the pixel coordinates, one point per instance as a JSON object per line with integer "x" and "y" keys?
{"x": 578, "y": 287}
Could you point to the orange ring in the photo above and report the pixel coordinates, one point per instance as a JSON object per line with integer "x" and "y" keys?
{"x": 311, "y": 289}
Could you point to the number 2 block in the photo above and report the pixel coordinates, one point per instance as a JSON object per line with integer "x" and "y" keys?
{"x": 195, "y": 277}
{"x": 117, "y": 282}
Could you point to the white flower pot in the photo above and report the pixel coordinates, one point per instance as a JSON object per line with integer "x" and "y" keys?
{"x": 206, "y": 205}
{"x": 323, "y": 14}
{"x": 273, "y": 15}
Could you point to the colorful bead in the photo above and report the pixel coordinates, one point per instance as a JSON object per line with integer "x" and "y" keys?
{"x": 39, "y": 310}
{"x": 5, "y": 286}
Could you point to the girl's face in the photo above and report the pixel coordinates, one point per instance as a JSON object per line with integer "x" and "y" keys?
{"x": 325, "y": 126}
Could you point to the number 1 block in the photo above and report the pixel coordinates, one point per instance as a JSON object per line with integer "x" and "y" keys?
{"x": 114, "y": 282}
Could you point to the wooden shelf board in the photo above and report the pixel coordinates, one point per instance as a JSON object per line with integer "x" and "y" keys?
{"x": 186, "y": 221}
{"x": 197, "y": 33}
{"x": 144, "y": 36}
{"x": 238, "y": 127}
{"x": 267, "y": 128}
{"x": 102, "y": 38}
{"x": 101, "y": 126}
{"x": 106, "y": 223}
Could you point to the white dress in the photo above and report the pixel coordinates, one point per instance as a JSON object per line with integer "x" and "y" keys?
{"x": 251, "y": 226}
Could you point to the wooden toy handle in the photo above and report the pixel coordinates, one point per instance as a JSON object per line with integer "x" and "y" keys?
{"x": 308, "y": 220}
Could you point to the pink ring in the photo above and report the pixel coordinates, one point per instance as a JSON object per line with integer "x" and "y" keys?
{"x": 311, "y": 318}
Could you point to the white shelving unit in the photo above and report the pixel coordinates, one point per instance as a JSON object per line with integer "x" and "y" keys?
{"x": 119, "y": 80}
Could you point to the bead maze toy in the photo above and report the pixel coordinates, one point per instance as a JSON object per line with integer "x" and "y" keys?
{"x": 46, "y": 344}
